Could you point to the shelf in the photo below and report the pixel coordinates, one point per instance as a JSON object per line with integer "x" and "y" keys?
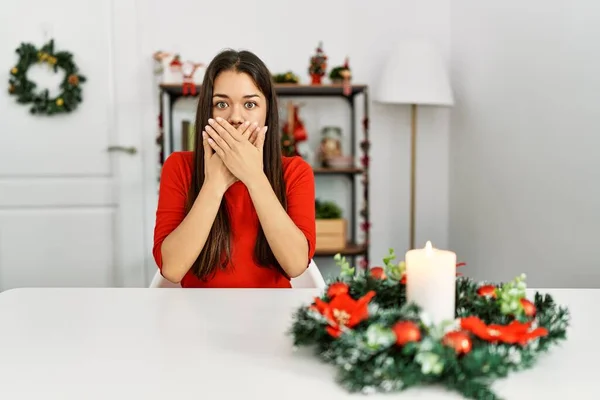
{"x": 286, "y": 89}
{"x": 350, "y": 250}
{"x": 337, "y": 171}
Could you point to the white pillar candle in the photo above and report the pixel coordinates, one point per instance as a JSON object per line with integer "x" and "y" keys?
{"x": 431, "y": 282}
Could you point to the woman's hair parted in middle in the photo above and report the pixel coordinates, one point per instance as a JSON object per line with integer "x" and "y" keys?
{"x": 217, "y": 252}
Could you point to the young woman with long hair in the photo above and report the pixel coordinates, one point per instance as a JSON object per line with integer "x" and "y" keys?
{"x": 235, "y": 212}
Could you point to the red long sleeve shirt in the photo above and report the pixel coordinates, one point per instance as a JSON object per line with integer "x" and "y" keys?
{"x": 242, "y": 270}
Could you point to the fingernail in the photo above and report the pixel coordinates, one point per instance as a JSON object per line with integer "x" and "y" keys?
{"x": 206, "y": 127}
{"x": 219, "y": 119}
{"x": 203, "y": 135}
{"x": 210, "y": 120}
{"x": 246, "y": 123}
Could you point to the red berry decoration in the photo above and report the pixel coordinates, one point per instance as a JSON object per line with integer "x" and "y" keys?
{"x": 378, "y": 273}
{"x": 336, "y": 289}
{"x": 460, "y": 341}
{"x": 487, "y": 291}
{"x": 406, "y": 332}
{"x": 528, "y": 307}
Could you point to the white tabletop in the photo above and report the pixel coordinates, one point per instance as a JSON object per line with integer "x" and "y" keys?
{"x": 219, "y": 344}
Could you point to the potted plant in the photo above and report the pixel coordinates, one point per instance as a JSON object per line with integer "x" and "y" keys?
{"x": 331, "y": 227}
{"x": 341, "y": 73}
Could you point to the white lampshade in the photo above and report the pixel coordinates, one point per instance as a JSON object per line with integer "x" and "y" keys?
{"x": 414, "y": 73}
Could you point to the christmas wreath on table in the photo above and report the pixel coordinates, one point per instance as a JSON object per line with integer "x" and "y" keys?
{"x": 19, "y": 85}
{"x": 363, "y": 325}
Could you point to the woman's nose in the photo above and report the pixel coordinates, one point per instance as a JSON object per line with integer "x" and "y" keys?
{"x": 236, "y": 117}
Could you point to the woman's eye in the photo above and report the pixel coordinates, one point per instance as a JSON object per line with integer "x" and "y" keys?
{"x": 250, "y": 105}
{"x": 221, "y": 104}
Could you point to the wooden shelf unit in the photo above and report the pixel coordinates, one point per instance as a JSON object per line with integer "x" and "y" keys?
{"x": 170, "y": 93}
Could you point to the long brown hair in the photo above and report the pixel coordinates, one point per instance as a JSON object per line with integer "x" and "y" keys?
{"x": 217, "y": 250}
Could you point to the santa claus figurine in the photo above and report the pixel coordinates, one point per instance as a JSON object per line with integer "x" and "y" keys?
{"x": 188, "y": 70}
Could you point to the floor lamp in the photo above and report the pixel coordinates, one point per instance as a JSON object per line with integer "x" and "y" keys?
{"x": 414, "y": 74}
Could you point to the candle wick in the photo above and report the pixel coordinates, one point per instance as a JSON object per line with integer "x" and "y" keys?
{"x": 428, "y": 248}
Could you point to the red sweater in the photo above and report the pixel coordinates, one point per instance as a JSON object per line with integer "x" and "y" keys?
{"x": 174, "y": 184}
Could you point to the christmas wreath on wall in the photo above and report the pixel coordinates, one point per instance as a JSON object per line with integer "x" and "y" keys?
{"x": 25, "y": 90}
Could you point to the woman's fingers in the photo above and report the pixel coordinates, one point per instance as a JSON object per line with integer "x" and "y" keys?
{"x": 225, "y": 130}
{"x": 254, "y": 135}
{"x": 217, "y": 138}
{"x": 208, "y": 151}
{"x": 216, "y": 148}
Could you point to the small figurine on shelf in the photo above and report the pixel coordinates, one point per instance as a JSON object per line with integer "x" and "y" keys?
{"x": 175, "y": 64}
{"x": 331, "y": 145}
{"x": 293, "y": 132}
{"x": 172, "y": 70}
{"x": 343, "y": 75}
{"x": 330, "y": 151}
{"x": 159, "y": 58}
{"x": 288, "y": 147}
{"x": 166, "y": 67}
{"x": 318, "y": 65}
{"x": 188, "y": 70}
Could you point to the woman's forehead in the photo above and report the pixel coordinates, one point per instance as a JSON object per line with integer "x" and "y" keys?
{"x": 235, "y": 85}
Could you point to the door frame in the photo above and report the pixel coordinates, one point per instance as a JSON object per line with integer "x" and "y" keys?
{"x": 131, "y": 172}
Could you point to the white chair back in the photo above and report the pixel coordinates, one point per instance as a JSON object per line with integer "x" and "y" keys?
{"x": 311, "y": 278}
{"x": 161, "y": 282}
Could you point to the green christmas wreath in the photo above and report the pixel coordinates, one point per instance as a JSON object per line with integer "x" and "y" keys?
{"x": 380, "y": 342}
{"x": 19, "y": 85}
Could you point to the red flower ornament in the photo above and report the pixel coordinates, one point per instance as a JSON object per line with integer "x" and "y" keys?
{"x": 514, "y": 332}
{"x": 343, "y": 311}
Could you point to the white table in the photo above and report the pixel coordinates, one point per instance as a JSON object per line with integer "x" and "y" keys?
{"x": 219, "y": 344}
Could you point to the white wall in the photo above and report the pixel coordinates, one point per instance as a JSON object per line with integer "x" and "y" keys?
{"x": 525, "y": 165}
{"x": 285, "y": 37}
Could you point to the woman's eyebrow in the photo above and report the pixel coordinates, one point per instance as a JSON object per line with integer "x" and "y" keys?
{"x": 226, "y": 97}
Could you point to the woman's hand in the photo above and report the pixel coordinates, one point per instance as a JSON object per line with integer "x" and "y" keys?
{"x": 215, "y": 171}
{"x": 243, "y": 158}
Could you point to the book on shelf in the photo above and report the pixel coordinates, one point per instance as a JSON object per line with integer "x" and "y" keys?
{"x": 187, "y": 135}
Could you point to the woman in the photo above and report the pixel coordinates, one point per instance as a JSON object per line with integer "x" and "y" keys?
{"x": 235, "y": 213}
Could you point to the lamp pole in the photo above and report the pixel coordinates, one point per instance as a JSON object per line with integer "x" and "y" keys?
{"x": 413, "y": 171}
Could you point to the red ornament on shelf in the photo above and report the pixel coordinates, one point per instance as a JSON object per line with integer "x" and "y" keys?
{"x": 406, "y": 332}
{"x": 460, "y": 341}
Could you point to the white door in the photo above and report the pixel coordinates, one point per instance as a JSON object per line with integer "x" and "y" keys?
{"x": 71, "y": 211}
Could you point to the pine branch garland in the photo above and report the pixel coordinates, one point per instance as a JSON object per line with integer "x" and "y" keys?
{"x": 368, "y": 358}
